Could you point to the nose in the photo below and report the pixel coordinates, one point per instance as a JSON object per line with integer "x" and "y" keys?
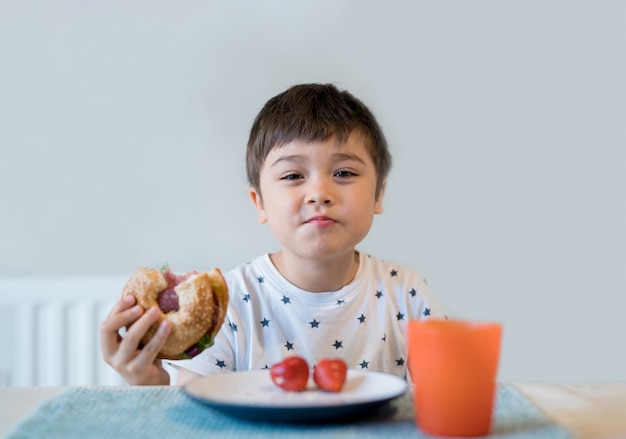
{"x": 319, "y": 192}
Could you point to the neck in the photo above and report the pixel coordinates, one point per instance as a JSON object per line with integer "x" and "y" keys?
{"x": 317, "y": 275}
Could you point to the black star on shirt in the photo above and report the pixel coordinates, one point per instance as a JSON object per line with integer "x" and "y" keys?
{"x": 393, "y": 273}
{"x": 384, "y": 338}
{"x": 361, "y": 318}
{"x": 400, "y": 316}
{"x": 220, "y": 363}
{"x": 264, "y": 322}
{"x": 412, "y": 292}
{"x": 289, "y": 346}
{"x": 340, "y": 302}
{"x": 379, "y": 294}
{"x": 314, "y": 324}
{"x": 364, "y": 364}
{"x": 400, "y": 362}
{"x": 246, "y": 298}
{"x": 233, "y": 326}
{"x": 338, "y": 344}
{"x": 261, "y": 279}
{"x": 426, "y": 312}
{"x": 285, "y": 300}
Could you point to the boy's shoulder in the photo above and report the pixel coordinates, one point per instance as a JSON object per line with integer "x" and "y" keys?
{"x": 257, "y": 268}
{"x": 387, "y": 267}
{"x": 258, "y": 262}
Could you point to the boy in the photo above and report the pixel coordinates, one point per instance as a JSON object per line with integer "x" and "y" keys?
{"x": 317, "y": 163}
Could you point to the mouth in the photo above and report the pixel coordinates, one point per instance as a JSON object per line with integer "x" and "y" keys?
{"x": 320, "y": 220}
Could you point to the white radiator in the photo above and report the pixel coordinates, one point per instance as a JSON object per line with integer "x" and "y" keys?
{"x": 49, "y": 335}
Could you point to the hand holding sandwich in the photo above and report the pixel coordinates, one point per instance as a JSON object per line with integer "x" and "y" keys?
{"x": 173, "y": 317}
{"x": 136, "y": 365}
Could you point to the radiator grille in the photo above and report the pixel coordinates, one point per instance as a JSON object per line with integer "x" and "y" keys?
{"x": 54, "y": 337}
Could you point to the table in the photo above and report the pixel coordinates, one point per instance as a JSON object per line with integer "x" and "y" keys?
{"x": 588, "y": 410}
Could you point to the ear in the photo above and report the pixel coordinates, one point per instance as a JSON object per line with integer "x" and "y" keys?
{"x": 378, "y": 207}
{"x": 257, "y": 200}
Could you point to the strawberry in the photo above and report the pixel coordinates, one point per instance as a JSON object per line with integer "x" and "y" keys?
{"x": 291, "y": 374}
{"x": 330, "y": 374}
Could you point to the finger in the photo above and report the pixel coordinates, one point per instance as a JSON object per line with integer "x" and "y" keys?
{"x": 122, "y": 314}
{"x": 150, "y": 351}
{"x": 124, "y": 303}
{"x": 109, "y": 329}
{"x": 130, "y": 344}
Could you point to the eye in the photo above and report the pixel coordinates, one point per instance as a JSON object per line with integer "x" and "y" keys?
{"x": 291, "y": 177}
{"x": 344, "y": 173}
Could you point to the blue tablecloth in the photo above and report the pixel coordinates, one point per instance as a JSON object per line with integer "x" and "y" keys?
{"x": 154, "y": 412}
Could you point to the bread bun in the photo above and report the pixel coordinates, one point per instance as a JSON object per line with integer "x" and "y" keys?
{"x": 194, "y": 303}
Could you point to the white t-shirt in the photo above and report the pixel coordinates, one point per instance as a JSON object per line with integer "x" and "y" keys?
{"x": 364, "y": 323}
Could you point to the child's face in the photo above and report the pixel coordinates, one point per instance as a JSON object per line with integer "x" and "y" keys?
{"x": 318, "y": 198}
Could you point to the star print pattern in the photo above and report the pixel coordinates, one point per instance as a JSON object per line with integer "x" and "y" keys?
{"x": 364, "y": 322}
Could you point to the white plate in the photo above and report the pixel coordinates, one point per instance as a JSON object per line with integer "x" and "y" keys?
{"x": 252, "y": 395}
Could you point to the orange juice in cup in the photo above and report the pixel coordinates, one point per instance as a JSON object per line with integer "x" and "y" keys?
{"x": 453, "y": 365}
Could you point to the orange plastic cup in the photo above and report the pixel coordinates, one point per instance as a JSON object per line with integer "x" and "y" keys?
{"x": 453, "y": 366}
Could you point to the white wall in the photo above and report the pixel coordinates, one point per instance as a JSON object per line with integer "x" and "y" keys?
{"x": 123, "y": 126}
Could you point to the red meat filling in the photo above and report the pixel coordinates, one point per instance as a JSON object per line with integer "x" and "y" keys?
{"x": 168, "y": 299}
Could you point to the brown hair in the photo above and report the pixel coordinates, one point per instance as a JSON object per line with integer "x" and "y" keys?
{"x": 314, "y": 112}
